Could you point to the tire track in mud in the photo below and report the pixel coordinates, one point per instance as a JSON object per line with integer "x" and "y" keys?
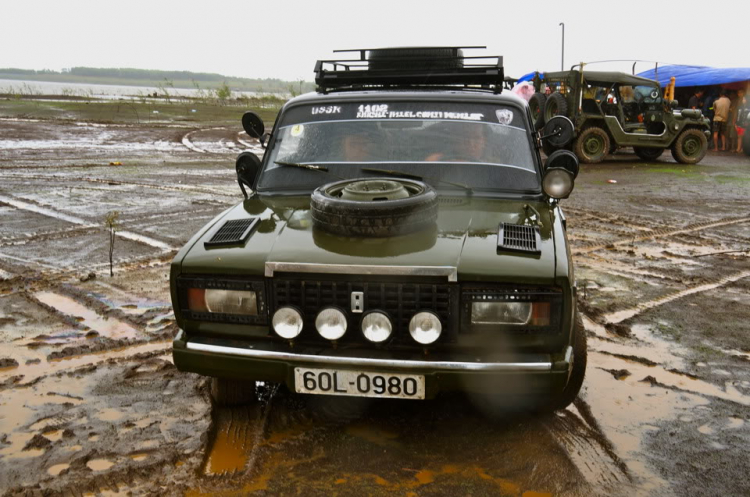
{"x": 608, "y": 220}
{"x": 661, "y": 233}
{"x": 187, "y": 142}
{"x": 46, "y": 211}
{"x": 620, "y": 316}
{"x": 588, "y": 449}
{"x": 116, "y": 182}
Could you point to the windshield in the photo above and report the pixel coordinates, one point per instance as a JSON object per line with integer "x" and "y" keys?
{"x": 484, "y": 147}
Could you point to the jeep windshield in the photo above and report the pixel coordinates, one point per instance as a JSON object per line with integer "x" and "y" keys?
{"x": 480, "y": 146}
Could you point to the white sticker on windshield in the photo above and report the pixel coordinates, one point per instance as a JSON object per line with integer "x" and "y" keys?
{"x": 504, "y": 116}
{"x": 297, "y": 130}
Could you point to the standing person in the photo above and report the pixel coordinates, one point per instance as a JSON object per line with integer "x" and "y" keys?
{"x": 741, "y": 118}
{"x": 696, "y": 101}
{"x": 721, "y": 117}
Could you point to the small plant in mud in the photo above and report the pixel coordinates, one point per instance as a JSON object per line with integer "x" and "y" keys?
{"x": 112, "y": 224}
{"x": 224, "y": 93}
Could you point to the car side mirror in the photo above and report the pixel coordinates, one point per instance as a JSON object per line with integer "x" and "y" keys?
{"x": 247, "y": 166}
{"x": 560, "y": 172}
{"x": 253, "y": 124}
{"x": 558, "y": 132}
{"x": 673, "y": 104}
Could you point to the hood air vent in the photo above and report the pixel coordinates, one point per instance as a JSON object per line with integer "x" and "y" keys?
{"x": 516, "y": 238}
{"x": 232, "y": 232}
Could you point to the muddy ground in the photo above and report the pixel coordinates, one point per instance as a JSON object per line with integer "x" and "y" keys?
{"x": 90, "y": 402}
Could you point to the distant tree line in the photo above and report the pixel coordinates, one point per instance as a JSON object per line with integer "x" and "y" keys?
{"x": 179, "y": 79}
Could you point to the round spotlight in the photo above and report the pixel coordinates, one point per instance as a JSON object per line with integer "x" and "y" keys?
{"x": 331, "y": 323}
{"x": 425, "y": 327}
{"x": 558, "y": 183}
{"x": 376, "y": 327}
{"x": 287, "y": 322}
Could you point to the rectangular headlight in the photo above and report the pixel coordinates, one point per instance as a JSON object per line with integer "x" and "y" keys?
{"x": 217, "y": 301}
{"x": 511, "y": 313}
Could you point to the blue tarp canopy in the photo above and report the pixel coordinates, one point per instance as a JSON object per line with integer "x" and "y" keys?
{"x": 526, "y": 77}
{"x": 698, "y": 75}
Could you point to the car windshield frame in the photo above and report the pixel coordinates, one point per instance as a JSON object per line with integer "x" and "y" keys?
{"x": 496, "y": 120}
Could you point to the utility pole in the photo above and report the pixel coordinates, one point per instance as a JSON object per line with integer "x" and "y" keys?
{"x": 562, "y": 58}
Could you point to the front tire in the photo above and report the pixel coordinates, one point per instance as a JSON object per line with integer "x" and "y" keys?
{"x": 556, "y": 105}
{"x": 690, "y": 146}
{"x": 227, "y": 392}
{"x": 592, "y": 145}
{"x": 577, "y": 374}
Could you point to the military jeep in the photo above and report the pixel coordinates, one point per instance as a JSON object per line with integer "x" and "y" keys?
{"x": 612, "y": 110}
{"x": 400, "y": 238}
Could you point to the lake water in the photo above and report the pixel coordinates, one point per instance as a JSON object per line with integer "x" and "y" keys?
{"x": 95, "y": 90}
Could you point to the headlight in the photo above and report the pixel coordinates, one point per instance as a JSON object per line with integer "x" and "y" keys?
{"x": 287, "y": 322}
{"x": 331, "y": 323}
{"x": 376, "y": 327}
{"x": 558, "y": 183}
{"x": 425, "y": 328}
{"x": 216, "y": 301}
{"x": 511, "y": 313}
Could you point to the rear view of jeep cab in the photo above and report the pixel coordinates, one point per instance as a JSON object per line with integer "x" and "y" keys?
{"x": 400, "y": 238}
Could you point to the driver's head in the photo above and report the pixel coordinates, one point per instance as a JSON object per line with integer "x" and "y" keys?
{"x": 473, "y": 142}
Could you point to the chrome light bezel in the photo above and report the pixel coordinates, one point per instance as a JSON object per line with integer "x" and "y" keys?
{"x": 374, "y": 314}
{"x": 328, "y": 333}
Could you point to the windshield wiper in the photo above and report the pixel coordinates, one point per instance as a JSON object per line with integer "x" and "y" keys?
{"x": 402, "y": 174}
{"x": 311, "y": 167}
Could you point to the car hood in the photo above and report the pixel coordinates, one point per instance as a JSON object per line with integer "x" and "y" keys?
{"x": 462, "y": 245}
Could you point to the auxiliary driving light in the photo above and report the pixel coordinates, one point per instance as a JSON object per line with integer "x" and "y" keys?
{"x": 331, "y": 323}
{"x": 376, "y": 327}
{"x": 558, "y": 183}
{"x": 287, "y": 322}
{"x": 425, "y": 327}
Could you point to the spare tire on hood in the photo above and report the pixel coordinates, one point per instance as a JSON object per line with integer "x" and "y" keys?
{"x": 377, "y": 207}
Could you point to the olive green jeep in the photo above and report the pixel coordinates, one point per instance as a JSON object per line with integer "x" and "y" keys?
{"x": 612, "y": 110}
{"x": 400, "y": 238}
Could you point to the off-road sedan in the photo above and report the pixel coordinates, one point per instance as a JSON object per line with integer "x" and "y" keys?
{"x": 400, "y": 238}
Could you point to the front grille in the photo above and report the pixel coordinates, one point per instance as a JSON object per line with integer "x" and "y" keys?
{"x": 518, "y": 238}
{"x": 399, "y": 300}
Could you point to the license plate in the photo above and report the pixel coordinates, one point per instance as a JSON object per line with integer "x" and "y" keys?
{"x": 358, "y": 383}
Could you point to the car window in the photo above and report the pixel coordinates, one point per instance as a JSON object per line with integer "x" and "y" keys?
{"x": 483, "y": 146}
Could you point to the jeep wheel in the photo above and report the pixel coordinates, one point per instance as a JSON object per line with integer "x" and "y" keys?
{"x": 690, "y": 147}
{"x": 227, "y": 392}
{"x": 536, "y": 106}
{"x": 556, "y": 105}
{"x": 592, "y": 145}
{"x": 377, "y": 207}
{"x": 746, "y": 142}
{"x": 648, "y": 154}
{"x": 577, "y": 374}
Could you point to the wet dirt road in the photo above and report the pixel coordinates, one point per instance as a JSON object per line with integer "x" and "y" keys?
{"x": 90, "y": 402}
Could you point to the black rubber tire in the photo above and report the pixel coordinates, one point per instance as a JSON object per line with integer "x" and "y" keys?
{"x": 592, "y": 145}
{"x": 227, "y": 392}
{"x": 746, "y": 142}
{"x": 443, "y": 58}
{"x": 382, "y": 218}
{"x": 536, "y": 106}
{"x": 577, "y": 374}
{"x": 648, "y": 154}
{"x": 690, "y": 146}
{"x": 555, "y": 105}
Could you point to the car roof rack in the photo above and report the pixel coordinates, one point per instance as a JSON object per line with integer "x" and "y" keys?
{"x": 411, "y": 67}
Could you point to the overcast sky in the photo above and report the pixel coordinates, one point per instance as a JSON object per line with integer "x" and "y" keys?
{"x": 283, "y": 39}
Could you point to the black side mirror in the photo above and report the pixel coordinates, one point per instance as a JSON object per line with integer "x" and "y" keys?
{"x": 560, "y": 172}
{"x": 253, "y": 124}
{"x": 248, "y": 167}
{"x": 558, "y": 132}
{"x": 563, "y": 159}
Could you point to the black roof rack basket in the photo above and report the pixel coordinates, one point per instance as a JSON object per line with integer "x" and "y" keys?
{"x": 409, "y": 67}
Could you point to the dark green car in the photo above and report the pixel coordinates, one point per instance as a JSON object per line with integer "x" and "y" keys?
{"x": 401, "y": 238}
